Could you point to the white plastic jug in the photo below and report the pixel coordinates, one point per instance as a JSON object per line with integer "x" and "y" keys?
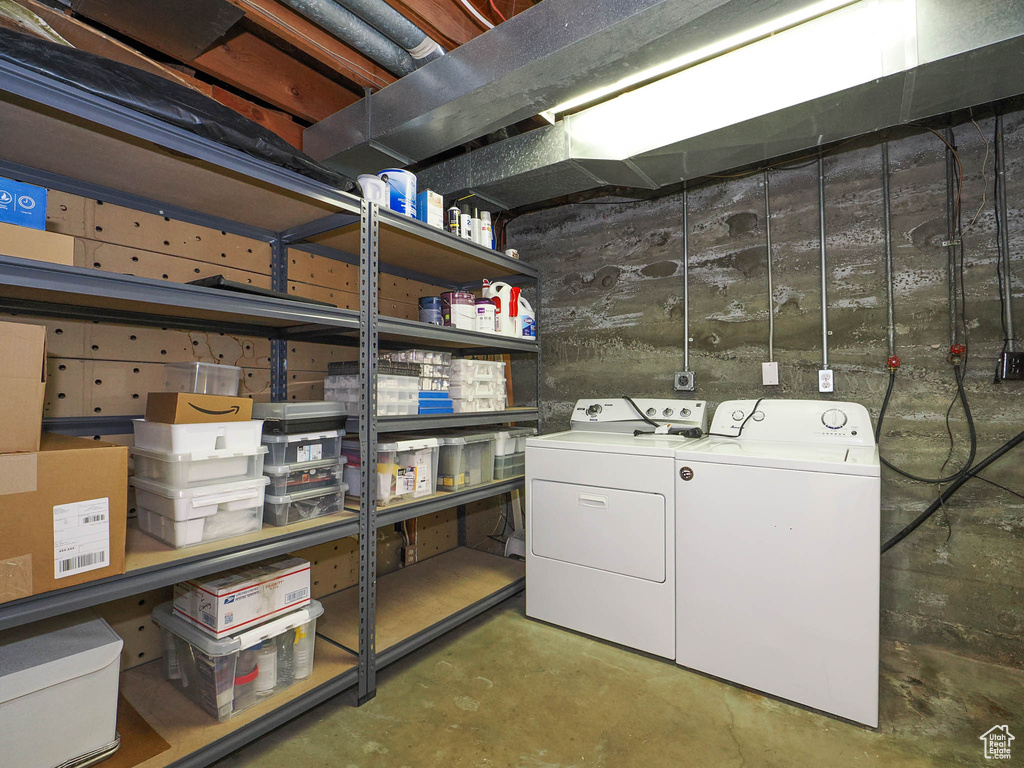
{"x": 374, "y": 190}
{"x": 527, "y": 322}
{"x": 506, "y": 302}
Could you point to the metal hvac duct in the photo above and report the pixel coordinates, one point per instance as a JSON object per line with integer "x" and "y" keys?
{"x": 870, "y": 65}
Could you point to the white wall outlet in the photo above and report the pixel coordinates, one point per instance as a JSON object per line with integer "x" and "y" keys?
{"x": 770, "y": 374}
{"x": 684, "y": 381}
{"x": 826, "y": 381}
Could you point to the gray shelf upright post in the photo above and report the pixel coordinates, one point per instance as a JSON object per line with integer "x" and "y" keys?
{"x": 279, "y": 346}
{"x": 368, "y": 343}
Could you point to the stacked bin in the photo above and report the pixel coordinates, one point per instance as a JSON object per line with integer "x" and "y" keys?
{"x": 397, "y": 387}
{"x": 406, "y": 469}
{"x": 199, "y": 482}
{"x": 477, "y": 385}
{"x": 466, "y": 460}
{"x": 305, "y": 466}
{"x": 510, "y": 452}
{"x": 229, "y": 675}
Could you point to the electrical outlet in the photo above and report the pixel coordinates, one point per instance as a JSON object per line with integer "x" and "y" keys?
{"x": 770, "y": 374}
{"x": 684, "y": 381}
{"x": 1011, "y": 366}
{"x": 826, "y": 381}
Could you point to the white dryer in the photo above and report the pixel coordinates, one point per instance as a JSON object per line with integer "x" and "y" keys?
{"x": 600, "y": 528}
{"x": 777, "y": 550}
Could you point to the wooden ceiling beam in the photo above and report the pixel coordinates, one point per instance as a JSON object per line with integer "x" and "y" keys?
{"x": 258, "y": 68}
{"x": 295, "y": 29}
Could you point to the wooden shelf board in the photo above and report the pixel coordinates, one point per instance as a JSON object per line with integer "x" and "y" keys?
{"x": 412, "y": 599}
{"x": 147, "y": 552}
{"x": 187, "y": 728}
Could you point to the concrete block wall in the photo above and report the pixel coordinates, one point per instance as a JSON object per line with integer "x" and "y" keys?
{"x": 612, "y": 323}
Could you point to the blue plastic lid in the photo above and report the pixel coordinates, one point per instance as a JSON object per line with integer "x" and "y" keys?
{"x": 430, "y": 301}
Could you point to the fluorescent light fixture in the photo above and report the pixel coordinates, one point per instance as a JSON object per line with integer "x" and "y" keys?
{"x": 708, "y": 51}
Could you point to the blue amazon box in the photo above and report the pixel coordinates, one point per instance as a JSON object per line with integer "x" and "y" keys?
{"x": 22, "y": 204}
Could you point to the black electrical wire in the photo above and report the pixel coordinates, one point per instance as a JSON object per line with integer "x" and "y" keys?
{"x": 643, "y": 415}
{"x": 749, "y": 417}
{"x": 953, "y": 488}
{"x": 970, "y": 426}
{"x": 1010, "y": 491}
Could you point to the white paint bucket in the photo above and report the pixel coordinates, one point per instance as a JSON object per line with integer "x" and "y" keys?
{"x": 401, "y": 196}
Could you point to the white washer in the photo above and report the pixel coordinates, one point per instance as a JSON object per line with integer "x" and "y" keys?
{"x": 777, "y": 548}
{"x": 600, "y": 529}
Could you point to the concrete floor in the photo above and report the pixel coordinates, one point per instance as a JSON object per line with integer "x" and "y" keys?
{"x": 507, "y": 691}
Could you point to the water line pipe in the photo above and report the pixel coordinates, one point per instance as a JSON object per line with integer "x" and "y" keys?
{"x": 824, "y": 278}
{"x": 686, "y": 283}
{"x": 1002, "y": 236}
{"x": 771, "y": 286}
{"x": 951, "y": 238}
{"x": 887, "y": 219}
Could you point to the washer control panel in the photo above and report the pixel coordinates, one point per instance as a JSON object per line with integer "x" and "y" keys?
{"x": 803, "y": 421}
{"x": 617, "y": 414}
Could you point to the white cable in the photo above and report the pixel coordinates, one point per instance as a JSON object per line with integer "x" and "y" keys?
{"x": 477, "y": 14}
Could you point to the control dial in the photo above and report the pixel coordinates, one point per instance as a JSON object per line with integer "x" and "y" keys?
{"x": 834, "y": 418}
{"x": 738, "y": 415}
{"x": 667, "y": 412}
{"x": 652, "y": 411}
{"x": 593, "y": 410}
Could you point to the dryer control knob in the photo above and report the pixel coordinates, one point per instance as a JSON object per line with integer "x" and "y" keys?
{"x": 834, "y": 418}
{"x": 738, "y": 415}
{"x": 758, "y": 416}
{"x": 684, "y": 411}
{"x": 652, "y": 411}
{"x": 667, "y": 412}
{"x": 593, "y": 410}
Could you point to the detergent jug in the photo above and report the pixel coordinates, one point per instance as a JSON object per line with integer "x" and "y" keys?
{"x": 506, "y": 304}
{"x": 527, "y": 322}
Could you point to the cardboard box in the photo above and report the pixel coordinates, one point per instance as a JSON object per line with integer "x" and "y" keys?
{"x": 23, "y": 384}
{"x": 191, "y": 408}
{"x": 243, "y": 598}
{"x": 22, "y": 204}
{"x": 430, "y": 208}
{"x": 36, "y": 244}
{"x": 63, "y": 514}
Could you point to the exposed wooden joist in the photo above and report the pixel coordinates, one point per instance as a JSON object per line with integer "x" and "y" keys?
{"x": 271, "y": 119}
{"x": 257, "y": 67}
{"x": 312, "y": 40}
{"x": 444, "y": 20}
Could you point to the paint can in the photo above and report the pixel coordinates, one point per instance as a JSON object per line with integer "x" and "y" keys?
{"x": 458, "y": 310}
{"x": 486, "y": 316}
{"x": 401, "y": 196}
{"x": 374, "y": 190}
{"x": 430, "y": 310}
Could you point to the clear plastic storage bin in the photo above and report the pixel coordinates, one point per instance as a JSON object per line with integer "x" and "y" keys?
{"x": 303, "y": 447}
{"x": 478, "y": 404}
{"x": 466, "y": 371}
{"x": 510, "y": 452}
{"x": 307, "y": 476}
{"x": 297, "y": 417}
{"x": 396, "y": 395}
{"x": 406, "y": 469}
{"x": 465, "y": 461}
{"x": 230, "y": 675}
{"x": 239, "y": 436}
{"x": 186, "y": 470}
{"x": 182, "y": 517}
{"x": 203, "y": 378}
{"x": 477, "y": 388}
{"x": 304, "y": 505}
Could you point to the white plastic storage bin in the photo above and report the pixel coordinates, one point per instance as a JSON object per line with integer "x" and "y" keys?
{"x": 187, "y": 516}
{"x": 238, "y": 436}
{"x": 58, "y": 691}
{"x": 304, "y": 505}
{"x": 465, "y": 461}
{"x": 477, "y": 388}
{"x": 478, "y": 404}
{"x": 203, "y": 378}
{"x": 230, "y": 675}
{"x": 510, "y": 452}
{"x": 464, "y": 371}
{"x": 187, "y": 470}
{"x": 406, "y": 469}
{"x": 396, "y": 395}
{"x": 303, "y": 447}
{"x": 307, "y": 476}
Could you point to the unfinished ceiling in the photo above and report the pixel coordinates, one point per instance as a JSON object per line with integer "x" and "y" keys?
{"x": 285, "y": 64}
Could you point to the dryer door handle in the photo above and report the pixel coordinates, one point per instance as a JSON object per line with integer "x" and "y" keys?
{"x": 592, "y": 500}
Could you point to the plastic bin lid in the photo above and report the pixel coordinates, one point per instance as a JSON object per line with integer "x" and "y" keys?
{"x": 470, "y": 437}
{"x": 317, "y": 409}
{"x": 164, "y": 616}
{"x": 312, "y": 493}
{"x": 175, "y": 458}
{"x": 42, "y": 654}
{"x": 301, "y": 436}
{"x": 287, "y": 469}
{"x": 235, "y": 486}
{"x": 411, "y": 444}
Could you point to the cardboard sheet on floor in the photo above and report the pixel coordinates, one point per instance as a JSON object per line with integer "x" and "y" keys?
{"x": 414, "y": 598}
{"x": 139, "y": 742}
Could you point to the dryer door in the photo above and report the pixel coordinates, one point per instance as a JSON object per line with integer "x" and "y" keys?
{"x": 605, "y": 528}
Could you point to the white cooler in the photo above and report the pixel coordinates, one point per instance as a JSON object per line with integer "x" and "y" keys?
{"x": 58, "y": 691}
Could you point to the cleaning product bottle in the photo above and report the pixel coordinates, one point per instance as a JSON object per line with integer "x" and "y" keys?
{"x": 506, "y": 302}
{"x": 454, "y": 222}
{"x": 465, "y": 223}
{"x": 527, "y": 320}
{"x": 477, "y": 227}
{"x": 486, "y": 231}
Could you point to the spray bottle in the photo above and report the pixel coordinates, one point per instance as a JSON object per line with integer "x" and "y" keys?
{"x": 465, "y": 223}
{"x": 454, "y": 221}
{"x": 487, "y": 232}
{"x": 477, "y": 227}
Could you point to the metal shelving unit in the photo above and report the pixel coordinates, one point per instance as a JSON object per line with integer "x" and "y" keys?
{"x": 164, "y": 170}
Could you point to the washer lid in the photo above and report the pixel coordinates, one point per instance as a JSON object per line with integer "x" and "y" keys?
{"x": 609, "y": 442}
{"x": 838, "y": 459}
